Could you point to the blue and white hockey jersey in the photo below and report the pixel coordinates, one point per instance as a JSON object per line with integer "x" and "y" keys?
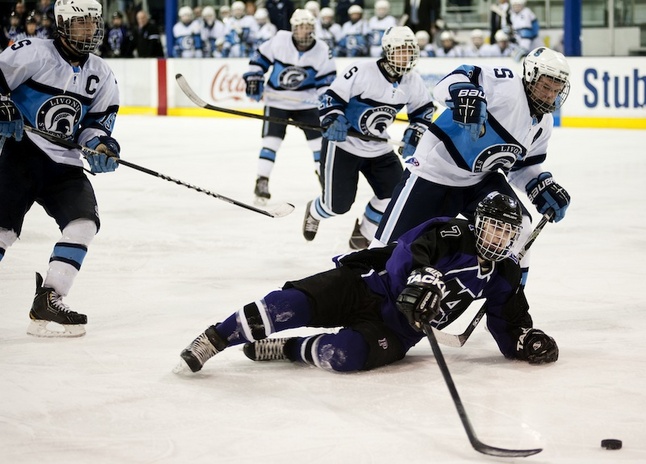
{"x": 75, "y": 102}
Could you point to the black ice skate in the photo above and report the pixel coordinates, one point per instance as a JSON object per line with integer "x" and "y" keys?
{"x": 48, "y": 308}
{"x": 357, "y": 239}
{"x": 262, "y": 190}
{"x": 203, "y": 348}
{"x": 269, "y": 349}
{"x": 310, "y": 224}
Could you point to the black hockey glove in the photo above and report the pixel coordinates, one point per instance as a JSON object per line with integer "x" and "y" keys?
{"x": 420, "y": 300}
{"x": 469, "y": 107}
{"x": 547, "y": 194}
{"x": 336, "y": 127}
{"x": 11, "y": 123}
{"x": 255, "y": 84}
{"x": 536, "y": 347}
{"x": 412, "y": 134}
{"x": 106, "y": 159}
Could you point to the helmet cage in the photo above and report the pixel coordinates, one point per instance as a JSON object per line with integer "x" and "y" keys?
{"x": 302, "y": 22}
{"x": 497, "y": 226}
{"x": 400, "y": 49}
{"x": 80, "y": 23}
{"x": 544, "y": 70}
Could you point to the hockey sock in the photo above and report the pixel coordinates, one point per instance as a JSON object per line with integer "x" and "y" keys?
{"x": 279, "y": 310}
{"x": 345, "y": 351}
{"x": 266, "y": 162}
{"x": 7, "y": 237}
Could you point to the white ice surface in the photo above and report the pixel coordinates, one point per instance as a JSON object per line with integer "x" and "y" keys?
{"x": 169, "y": 261}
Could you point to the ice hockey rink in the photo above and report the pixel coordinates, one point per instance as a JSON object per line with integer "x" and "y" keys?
{"x": 169, "y": 261}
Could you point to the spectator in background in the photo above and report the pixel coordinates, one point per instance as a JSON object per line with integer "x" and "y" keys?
{"x": 423, "y": 15}
{"x": 378, "y": 24}
{"x": 266, "y": 30}
{"x": 239, "y": 33}
{"x": 117, "y": 40}
{"x": 31, "y": 29}
{"x": 426, "y": 48}
{"x": 46, "y": 28}
{"x": 475, "y": 44}
{"x": 342, "y": 6}
{"x": 212, "y": 31}
{"x": 14, "y": 29}
{"x": 187, "y": 38}
{"x": 354, "y": 40}
{"x": 314, "y": 8}
{"x": 147, "y": 37}
{"x": 280, "y": 11}
{"x": 500, "y": 47}
{"x": 225, "y": 14}
{"x": 499, "y": 19}
{"x": 524, "y": 25}
{"x": 328, "y": 30}
{"x": 448, "y": 46}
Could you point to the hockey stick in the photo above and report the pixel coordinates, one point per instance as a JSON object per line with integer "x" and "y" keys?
{"x": 279, "y": 211}
{"x": 459, "y": 340}
{"x": 183, "y": 84}
{"x": 477, "y": 444}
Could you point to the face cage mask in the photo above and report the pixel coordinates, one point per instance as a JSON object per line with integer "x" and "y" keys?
{"x": 494, "y": 238}
{"x": 303, "y": 35}
{"x": 83, "y": 45}
{"x": 543, "y": 107}
{"x": 407, "y": 53}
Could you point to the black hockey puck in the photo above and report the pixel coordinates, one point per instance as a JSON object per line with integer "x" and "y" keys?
{"x": 611, "y": 444}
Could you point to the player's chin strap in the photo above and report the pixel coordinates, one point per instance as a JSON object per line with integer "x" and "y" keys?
{"x": 459, "y": 340}
{"x": 280, "y": 211}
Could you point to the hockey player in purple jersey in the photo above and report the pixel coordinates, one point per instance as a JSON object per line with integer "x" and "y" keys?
{"x": 60, "y": 87}
{"x": 381, "y": 297}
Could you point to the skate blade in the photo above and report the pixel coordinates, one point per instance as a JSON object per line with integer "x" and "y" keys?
{"x": 259, "y": 201}
{"x": 49, "y": 329}
{"x": 182, "y": 368}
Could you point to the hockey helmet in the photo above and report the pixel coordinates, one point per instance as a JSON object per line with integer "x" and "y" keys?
{"x": 546, "y": 78}
{"x": 302, "y": 22}
{"x": 80, "y": 24}
{"x": 313, "y": 7}
{"x": 498, "y": 222}
{"x": 400, "y": 49}
{"x": 238, "y": 9}
{"x": 382, "y": 8}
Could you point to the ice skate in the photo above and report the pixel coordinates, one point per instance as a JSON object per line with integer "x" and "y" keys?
{"x": 310, "y": 224}
{"x": 262, "y": 190}
{"x": 357, "y": 240}
{"x": 269, "y": 349}
{"x": 48, "y": 315}
{"x": 203, "y": 348}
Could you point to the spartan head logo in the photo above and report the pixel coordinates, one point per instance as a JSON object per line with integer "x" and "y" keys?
{"x": 498, "y": 157}
{"x": 292, "y": 77}
{"x": 59, "y": 115}
{"x": 377, "y": 120}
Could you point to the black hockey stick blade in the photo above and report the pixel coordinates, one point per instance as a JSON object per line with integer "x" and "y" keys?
{"x": 278, "y": 212}
{"x": 457, "y": 341}
{"x": 195, "y": 98}
{"x": 477, "y": 444}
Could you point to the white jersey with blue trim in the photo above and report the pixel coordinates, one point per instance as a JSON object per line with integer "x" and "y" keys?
{"x": 56, "y": 97}
{"x": 513, "y": 141}
{"x": 370, "y": 102}
{"x": 299, "y": 77}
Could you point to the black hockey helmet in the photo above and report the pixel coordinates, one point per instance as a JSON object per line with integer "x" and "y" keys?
{"x": 498, "y": 222}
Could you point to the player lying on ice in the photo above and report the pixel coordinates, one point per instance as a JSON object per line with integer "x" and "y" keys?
{"x": 382, "y": 296}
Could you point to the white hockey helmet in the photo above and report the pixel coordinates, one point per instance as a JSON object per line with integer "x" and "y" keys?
{"x": 327, "y": 16}
{"x": 208, "y": 14}
{"x": 238, "y": 9}
{"x": 80, "y": 23}
{"x": 498, "y": 222}
{"x": 302, "y": 22}
{"x": 517, "y": 5}
{"x": 313, "y": 7}
{"x": 445, "y": 36}
{"x": 501, "y": 36}
{"x": 546, "y": 76}
{"x": 185, "y": 14}
{"x": 355, "y": 9}
{"x": 400, "y": 49}
{"x": 261, "y": 16}
{"x": 224, "y": 11}
{"x": 382, "y": 8}
{"x": 423, "y": 38}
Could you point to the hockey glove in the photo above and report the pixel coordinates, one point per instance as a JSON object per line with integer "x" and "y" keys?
{"x": 469, "y": 107}
{"x": 106, "y": 159}
{"x": 11, "y": 123}
{"x": 547, "y": 194}
{"x": 412, "y": 135}
{"x": 420, "y": 300}
{"x": 255, "y": 84}
{"x": 536, "y": 347}
{"x": 336, "y": 127}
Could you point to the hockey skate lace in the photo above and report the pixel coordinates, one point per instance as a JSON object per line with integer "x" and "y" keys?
{"x": 311, "y": 224}
{"x": 56, "y": 302}
{"x": 270, "y": 349}
{"x": 203, "y": 349}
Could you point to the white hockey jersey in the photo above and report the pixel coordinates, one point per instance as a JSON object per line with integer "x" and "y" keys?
{"x": 297, "y": 78}
{"x": 187, "y": 40}
{"x": 513, "y": 141}
{"x": 371, "y": 102}
{"x": 376, "y": 28}
{"x": 76, "y": 103}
